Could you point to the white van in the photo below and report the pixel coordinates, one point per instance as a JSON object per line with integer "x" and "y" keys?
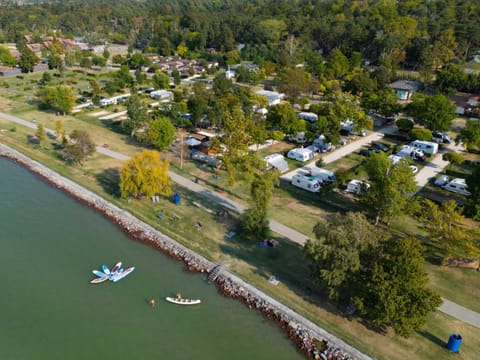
{"x": 325, "y": 176}
{"x": 306, "y": 182}
{"x": 300, "y": 154}
{"x": 357, "y": 186}
{"x": 426, "y": 146}
{"x": 458, "y": 186}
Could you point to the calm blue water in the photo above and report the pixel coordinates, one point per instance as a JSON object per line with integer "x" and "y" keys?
{"x": 48, "y": 246}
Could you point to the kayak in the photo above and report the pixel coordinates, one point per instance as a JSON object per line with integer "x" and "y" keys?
{"x": 116, "y": 268}
{"x": 99, "y": 280}
{"x": 100, "y": 274}
{"x": 120, "y": 275}
{"x": 105, "y": 269}
{"x": 181, "y": 301}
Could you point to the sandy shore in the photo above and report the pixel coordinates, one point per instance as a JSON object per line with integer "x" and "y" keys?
{"x": 303, "y": 332}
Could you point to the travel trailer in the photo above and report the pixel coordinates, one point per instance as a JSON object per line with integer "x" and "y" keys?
{"x": 426, "y": 146}
{"x": 308, "y": 116}
{"x": 306, "y": 182}
{"x": 357, "y": 186}
{"x": 458, "y": 186}
{"x": 276, "y": 161}
{"x": 300, "y": 154}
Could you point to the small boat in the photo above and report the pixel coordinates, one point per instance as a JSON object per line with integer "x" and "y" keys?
{"x": 99, "y": 280}
{"x": 105, "y": 269}
{"x": 116, "y": 268}
{"x": 182, "y": 301}
{"x": 100, "y": 274}
{"x": 120, "y": 275}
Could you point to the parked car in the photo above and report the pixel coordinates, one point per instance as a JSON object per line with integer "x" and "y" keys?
{"x": 380, "y": 146}
{"x": 441, "y": 180}
{"x": 366, "y": 152}
{"x": 440, "y": 137}
{"x": 325, "y": 147}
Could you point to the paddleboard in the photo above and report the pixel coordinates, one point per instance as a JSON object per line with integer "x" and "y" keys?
{"x": 123, "y": 274}
{"x": 99, "y": 273}
{"x": 116, "y": 268}
{"x": 99, "y": 280}
{"x": 105, "y": 269}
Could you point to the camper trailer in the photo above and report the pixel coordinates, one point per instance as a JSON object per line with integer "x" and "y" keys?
{"x": 327, "y": 177}
{"x": 458, "y": 186}
{"x": 276, "y": 161}
{"x": 426, "y": 146}
{"x": 300, "y": 154}
{"x": 357, "y": 186}
{"x": 306, "y": 182}
{"x": 321, "y": 144}
{"x": 308, "y": 116}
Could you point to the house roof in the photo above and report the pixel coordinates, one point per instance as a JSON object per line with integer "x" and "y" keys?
{"x": 407, "y": 85}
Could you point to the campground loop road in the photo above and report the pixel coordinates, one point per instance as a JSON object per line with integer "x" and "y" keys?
{"x": 448, "y": 307}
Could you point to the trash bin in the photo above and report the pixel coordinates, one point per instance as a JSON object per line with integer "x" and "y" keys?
{"x": 176, "y": 199}
{"x": 454, "y": 342}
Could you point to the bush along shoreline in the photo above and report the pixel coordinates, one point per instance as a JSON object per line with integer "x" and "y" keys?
{"x": 311, "y": 340}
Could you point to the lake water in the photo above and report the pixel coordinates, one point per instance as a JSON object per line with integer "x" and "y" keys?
{"x": 49, "y": 244}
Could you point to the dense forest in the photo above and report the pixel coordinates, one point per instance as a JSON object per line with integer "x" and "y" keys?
{"x": 410, "y": 34}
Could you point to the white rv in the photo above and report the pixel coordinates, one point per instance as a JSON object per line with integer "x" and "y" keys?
{"x": 426, "y": 146}
{"x": 300, "y": 154}
{"x": 457, "y": 185}
{"x": 306, "y": 182}
{"x": 162, "y": 95}
{"x": 325, "y": 176}
{"x": 357, "y": 186}
{"x": 308, "y": 116}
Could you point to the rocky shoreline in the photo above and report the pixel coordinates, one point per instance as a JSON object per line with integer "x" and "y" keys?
{"x": 307, "y": 336}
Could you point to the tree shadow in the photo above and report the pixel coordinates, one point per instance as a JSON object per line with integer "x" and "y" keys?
{"x": 433, "y": 338}
{"x": 109, "y": 180}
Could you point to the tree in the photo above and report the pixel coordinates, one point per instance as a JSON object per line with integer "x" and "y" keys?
{"x": 404, "y": 124}
{"x": 79, "y": 147}
{"x": 473, "y": 182}
{"x": 470, "y": 135}
{"x": 221, "y": 85}
{"x": 382, "y": 101}
{"x": 254, "y": 220}
{"x": 293, "y": 82}
{"x": 390, "y": 187}
{"x": 434, "y": 112}
{"x": 339, "y": 251}
{"x": 444, "y": 48}
{"x": 176, "y": 77}
{"x": 161, "y": 80}
{"x": 146, "y": 173}
{"x": 393, "y": 291}
{"x": 453, "y": 158}
{"x": 337, "y": 64}
{"x": 86, "y": 62}
{"x": 137, "y": 115}
{"x": 106, "y": 54}
{"x": 421, "y": 134}
{"x": 444, "y": 226}
{"x": 283, "y": 117}
{"x": 40, "y": 133}
{"x": 54, "y": 61}
{"x": 6, "y": 58}
{"x": 59, "y": 128}
{"x": 28, "y": 60}
{"x": 451, "y": 79}
{"x": 161, "y": 133}
{"x": 60, "y": 98}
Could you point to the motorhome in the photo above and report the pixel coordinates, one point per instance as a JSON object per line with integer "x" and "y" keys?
{"x": 412, "y": 153}
{"x": 306, "y": 182}
{"x": 276, "y": 161}
{"x": 300, "y": 154}
{"x": 357, "y": 186}
{"x": 426, "y": 146}
{"x": 325, "y": 176}
{"x": 458, "y": 186}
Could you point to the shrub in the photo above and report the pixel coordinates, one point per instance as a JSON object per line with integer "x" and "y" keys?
{"x": 421, "y": 134}
{"x": 404, "y": 124}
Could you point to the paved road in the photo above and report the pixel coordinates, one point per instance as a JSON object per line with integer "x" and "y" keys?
{"x": 343, "y": 151}
{"x": 450, "y": 308}
{"x": 459, "y": 312}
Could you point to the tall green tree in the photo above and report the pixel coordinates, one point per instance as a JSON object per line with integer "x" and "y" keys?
{"x": 40, "y": 133}
{"x": 473, "y": 182}
{"x": 160, "y": 133}
{"x": 294, "y": 82}
{"x": 393, "y": 291}
{"x": 390, "y": 187}
{"x": 27, "y": 60}
{"x": 146, "y": 173}
{"x": 434, "y": 112}
{"x": 470, "y": 135}
{"x": 60, "y": 98}
{"x": 283, "y": 117}
{"x": 339, "y": 251}
{"x": 137, "y": 113}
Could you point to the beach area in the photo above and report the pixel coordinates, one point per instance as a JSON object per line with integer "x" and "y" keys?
{"x": 311, "y": 340}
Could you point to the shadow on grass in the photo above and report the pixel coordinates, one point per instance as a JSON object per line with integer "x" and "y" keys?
{"x": 429, "y": 336}
{"x": 109, "y": 179}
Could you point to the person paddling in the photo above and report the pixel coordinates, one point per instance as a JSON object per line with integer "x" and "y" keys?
{"x": 152, "y": 303}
